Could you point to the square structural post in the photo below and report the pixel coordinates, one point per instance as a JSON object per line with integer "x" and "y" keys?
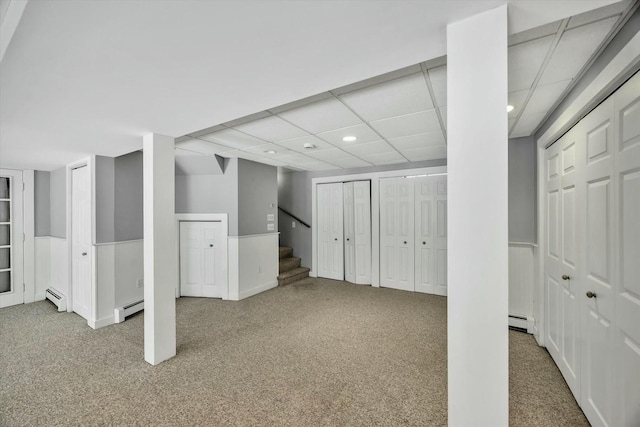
{"x": 478, "y": 220}
{"x": 160, "y": 263}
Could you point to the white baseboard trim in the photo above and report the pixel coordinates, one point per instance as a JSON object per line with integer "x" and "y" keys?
{"x": 261, "y": 288}
{"x": 526, "y": 323}
{"x": 101, "y": 323}
{"x": 40, "y": 297}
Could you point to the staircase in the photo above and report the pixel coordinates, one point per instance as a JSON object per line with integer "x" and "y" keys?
{"x": 290, "y": 270}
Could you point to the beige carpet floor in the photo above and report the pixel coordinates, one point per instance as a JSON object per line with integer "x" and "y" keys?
{"x": 315, "y": 353}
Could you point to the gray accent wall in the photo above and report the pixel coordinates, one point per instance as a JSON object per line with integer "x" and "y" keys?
{"x": 128, "y": 202}
{"x": 523, "y": 190}
{"x": 58, "y": 202}
{"x": 105, "y": 199}
{"x": 257, "y": 197}
{"x": 42, "y": 203}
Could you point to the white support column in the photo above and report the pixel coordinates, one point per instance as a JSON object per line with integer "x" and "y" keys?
{"x": 160, "y": 262}
{"x": 477, "y": 213}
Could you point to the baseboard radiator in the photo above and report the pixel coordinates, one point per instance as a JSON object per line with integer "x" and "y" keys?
{"x": 523, "y": 323}
{"x": 121, "y": 313}
{"x": 57, "y": 298}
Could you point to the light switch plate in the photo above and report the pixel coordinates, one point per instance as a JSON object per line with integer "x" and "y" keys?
{"x": 270, "y": 217}
{"x": 271, "y": 227}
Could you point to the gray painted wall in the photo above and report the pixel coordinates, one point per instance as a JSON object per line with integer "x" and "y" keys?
{"x": 105, "y": 199}
{"x": 42, "y": 203}
{"x": 210, "y": 194}
{"x": 58, "y": 202}
{"x": 257, "y": 191}
{"x": 522, "y": 190}
{"x": 128, "y": 203}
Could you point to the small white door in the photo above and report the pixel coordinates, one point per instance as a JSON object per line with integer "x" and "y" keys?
{"x": 362, "y": 231}
{"x": 203, "y": 271}
{"x": 349, "y": 234}
{"x": 81, "y": 241}
{"x": 11, "y": 242}
{"x": 397, "y": 233}
{"x": 330, "y": 231}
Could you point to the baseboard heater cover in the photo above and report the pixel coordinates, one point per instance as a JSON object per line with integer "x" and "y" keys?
{"x": 525, "y": 323}
{"x": 57, "y": 298}
{"x": 121, "y": 313}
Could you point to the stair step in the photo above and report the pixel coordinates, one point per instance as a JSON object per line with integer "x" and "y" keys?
{"x": 293, "y": 276}
{"x": 287, "y": 264}
{"x": 285, "y": 252}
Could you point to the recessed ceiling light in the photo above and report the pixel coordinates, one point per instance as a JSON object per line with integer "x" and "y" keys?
{"x": 309, "y": 146}
{"x": 510, "y": 108}
{"x": 271, "y": 151}
{"x": 349, "y": 138}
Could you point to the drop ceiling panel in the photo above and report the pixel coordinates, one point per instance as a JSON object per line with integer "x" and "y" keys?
{"x": 325, "y": 115}
{"x": 426, "y": 153}
{"x": 527, "y": 124}
{"x": 361, "y": 150}
{"x": 420, "y": 140}
{"x": 271, "y": 129}
{"x": 202, "y": 147}
{"x": 443, "y": 114}
{"x": 363, "y": 132}
{"x": 273, "y": 162}
{"x": 438, "y": 77}
{"x": 614, "y": 9}
{"x": 394, "y": 98}
{"x": 574, "y": 50}
{"x": 517, "y": 99}
{"x": 296, "y": 159}
{"x": 385, "y": 158}
{"x": 545, "y": 96}
{"x": 318, "y": 166}
{"x": 232, "y": 138}
{"x": 350, "y": 162}
{"x": 410, "y": 124}
{"x": 525, "y": 61}
{"x": 261, "y": 150}
{"x": 328, "y": 155}
{"x": 297, "y": 144}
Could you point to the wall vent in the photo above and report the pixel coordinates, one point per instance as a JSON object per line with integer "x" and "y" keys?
{"x": 121, "y": 313}
{"x": 57, "y": 298}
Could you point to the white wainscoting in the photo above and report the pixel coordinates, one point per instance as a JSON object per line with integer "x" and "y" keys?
{"x": 522, "y": 261}
{"x": 59, "y": 266}
{"x": 42, "y": 266}
{"x": 253, "y": 264}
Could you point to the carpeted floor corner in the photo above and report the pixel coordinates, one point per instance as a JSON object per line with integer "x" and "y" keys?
{"x": 318, "y": 352}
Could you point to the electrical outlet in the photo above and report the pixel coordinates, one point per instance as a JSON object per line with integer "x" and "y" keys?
{"x": 140, "y": 283}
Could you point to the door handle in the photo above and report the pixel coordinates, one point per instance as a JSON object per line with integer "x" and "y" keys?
{"x": 336, "y": 239}
{"x": 210, "y": 246}
{"x": 84, "y": 254}
{"x": 405, "y": 242}
{"x": 591, "y": 294}
{"x": 347, "y": 239}
{"x": 565, "y": 277}
{"x": 424, "y": 243}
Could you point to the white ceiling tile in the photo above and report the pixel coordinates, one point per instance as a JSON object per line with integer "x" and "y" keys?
{"x": 385, "y": 158}
{"x": 438, "y": 77}
{"x": 574, "y": 50}
{"x": 525, "y": 61}
{"x": 232, "y": 138}
{"x": 350, "y": 162}
{"x": 511, "y": 123}
{"x": 328, "y": 155}
{"x": 261, "y": 150}
{"x": 545, "y": 96}
{"x": 272, "y": 162}
{"x": 410, "y": 124}
{"x": 443, "y": 114}
{"x": 318, "y": 166}
{"x": 390, "y": 99}
{"x": 271, "y": 128}
{"x": 517, "y": 99}
{"x": 297, "y": 144}
{"x": 527, "y": 124}
{"x": 614, "y": 9}
{"x": 296, "y": 159}
{"x": 377, "y": 147}
{"x": 363, "y": 132}
{"x": 426, "y": 153}
{"x": 201, "y": 147}
{"x": 328, "y": 114}
{"x": 420, "y": 140}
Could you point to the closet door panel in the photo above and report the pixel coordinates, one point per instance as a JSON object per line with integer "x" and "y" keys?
{"x": 349, "y": 233}
{"x": 330, "y": 231}
{"x": 362, "y": 231}
{"x": 424, "y": 248}
{"x": 440, "y": 239}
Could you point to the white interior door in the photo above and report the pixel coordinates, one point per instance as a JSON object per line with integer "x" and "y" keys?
{"x": 597, "y": 274}
{"x": 330, "y": 231}
{"x": 563, "y": 171}
{"x": 362, "y": 230}
{"x": 397, "y": 233}
{"x": 627, "y": 249}
{"x": 349, "y": 233}
{"x": 11, "y": 238}
{"x": 203, "y": 259}
{"x": 81, "y": 241}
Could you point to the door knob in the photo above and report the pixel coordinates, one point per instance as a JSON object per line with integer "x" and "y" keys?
{"x": 347, "y": 239}
{"x": 210, "y": 246}
{"x": 84, "y": 254}
{"x": 565, "y": 277}
{"x": 591, "y": 294}
{"x": 405, "y": 242}
{"x": 424, "y": 243}
{"x": 336, "y": 239}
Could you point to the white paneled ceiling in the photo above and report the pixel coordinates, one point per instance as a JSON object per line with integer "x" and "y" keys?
{"x": 401, "y": 117}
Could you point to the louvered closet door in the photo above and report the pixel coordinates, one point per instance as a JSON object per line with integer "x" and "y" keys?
{"x": 397, "y": 233}
{"x": 330, "y": 231}
{"x": 362, "y": 231}
{"x": 563, "y": 174}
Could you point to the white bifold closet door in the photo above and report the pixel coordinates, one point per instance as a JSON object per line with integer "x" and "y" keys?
{"x": 330, "y": 231}
{"x": 592, "y": 273}
{"x": 413, "y": 234}
{"x": 357, "y": 232}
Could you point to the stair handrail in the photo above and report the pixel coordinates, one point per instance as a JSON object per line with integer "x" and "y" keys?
{"x": 294, "y": 217}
